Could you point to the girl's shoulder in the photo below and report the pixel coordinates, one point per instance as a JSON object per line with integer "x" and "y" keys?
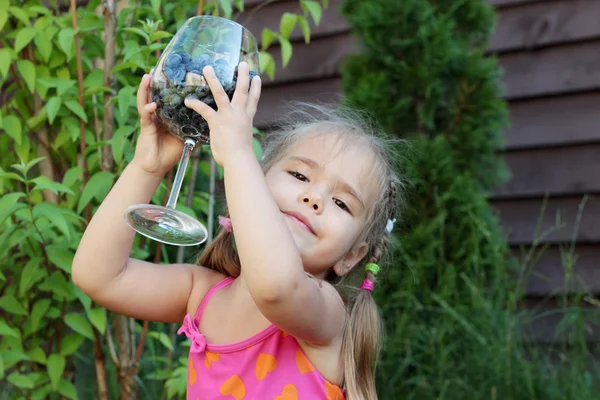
{"x": 204, "y": 279}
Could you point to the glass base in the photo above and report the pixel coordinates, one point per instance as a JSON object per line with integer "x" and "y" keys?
{"x": 165, "y": 225}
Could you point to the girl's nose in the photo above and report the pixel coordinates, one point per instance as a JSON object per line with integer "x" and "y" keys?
{"x": 312, "y": 200}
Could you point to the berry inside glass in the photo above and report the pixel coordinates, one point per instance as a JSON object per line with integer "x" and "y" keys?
{"x": 201, "y": 41}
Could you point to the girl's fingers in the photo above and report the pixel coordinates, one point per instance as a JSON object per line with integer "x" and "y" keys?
{"x": 240, "y": 96}
{"x": 216, "y": 88}
{"x": 146, "y": 114}
{"x": 201, "y": 108}
{"x": 253, "y": 96}
{"x": 142, "y": 93}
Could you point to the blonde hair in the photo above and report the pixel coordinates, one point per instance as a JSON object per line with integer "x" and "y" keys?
{"x": 363, "y": 334}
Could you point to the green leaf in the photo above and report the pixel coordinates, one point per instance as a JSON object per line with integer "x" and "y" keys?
{"x": 119, "y": 141}
{"x": 76, "y": 108}
{"x": 125, "y": 98}
{"x": 31, "y": 274}
{"x": 57, "y": 283}
{"x": 54, "y": 214}
{"x": 33, "y": 163}
{"x": 21, "y": 381}
{"x": 3, "y": 18}
{"x": 67, "y": 389}
{"x": 268, "y": 37}
{"x": 267, "y": 63}
{"x": 79, "y": 324}
{"x": 9, "y": 303}
{"x": 6, "y": 330}
{"x": 37, "y": 354}
{"x": 286, "y": 51}
{"x": 2, "y": 368}
{"x": 44, "y": 45}
{"x": 162, "y": 338}
{"x": 72, "y": 175}
{"x": 154, "y": 36}
{"x": 12, "y": 126}
{"x": 53, "y": 106}
{"x": 19, "y": 14}
{"x": 287, "y": 24}
{"x": 9, "y": 210}
{"x": 24, "y": 37}
{"x": 65, "y": 41}
{"x": 27, "y": 70}
{"x": 70, "y": 343}
{"x": 98, "y": 185}
{"x": 5, "y": 60}
{"x": 55, "y": 367}
{"x": 155, "y": 5}
{"x": 38, "y": 311}
{"x": 98, "y": 318}
{"x": 85, "y": 301}
{"x": 314, "y": 8}
{"x": 138, "y": 32}
{"x": 44, "y": 183}
{"x": 60, "y": 256}
{"x": 226, "y": 7}
{"x": 303, "y": 22}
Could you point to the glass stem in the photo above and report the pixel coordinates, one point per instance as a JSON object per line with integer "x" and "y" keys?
{"x": 188, "y": 146}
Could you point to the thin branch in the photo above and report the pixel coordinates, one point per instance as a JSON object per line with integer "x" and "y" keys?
{"x": 110, "y": 28}
{"x": 111, "y": 345}
{"x": 81, "y": 101}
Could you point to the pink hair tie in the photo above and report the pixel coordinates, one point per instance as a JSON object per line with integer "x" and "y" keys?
{"x": 367, "y": 285}
{"x": 225, "y": 223}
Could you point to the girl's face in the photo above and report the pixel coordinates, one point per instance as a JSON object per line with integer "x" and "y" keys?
{"x": 323, "y": 191}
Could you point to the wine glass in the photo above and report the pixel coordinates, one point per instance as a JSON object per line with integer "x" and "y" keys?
{"x": 201, "y": 41}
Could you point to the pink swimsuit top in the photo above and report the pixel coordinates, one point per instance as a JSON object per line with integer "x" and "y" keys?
{"x": 270, "y": 365}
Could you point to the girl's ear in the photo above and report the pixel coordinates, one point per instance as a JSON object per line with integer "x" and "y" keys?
{"x": 344, "y": 266}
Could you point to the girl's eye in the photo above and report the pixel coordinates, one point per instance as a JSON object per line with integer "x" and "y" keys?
{"x": 298, "y": 176}
{"x": 342, "y": 205}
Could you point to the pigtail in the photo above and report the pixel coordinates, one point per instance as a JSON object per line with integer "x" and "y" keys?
{"x": 221, "y": 255}
{"x": 363, "y": 337}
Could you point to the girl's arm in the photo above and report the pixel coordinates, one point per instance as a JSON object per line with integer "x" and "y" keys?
{"x": 102, "y": 267}
{"x": 271, "y": 265}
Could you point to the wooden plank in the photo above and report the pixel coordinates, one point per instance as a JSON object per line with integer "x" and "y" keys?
{"x": 554, "y": 220}
{"x": 557, "y": 269}
{"x": 549, "y": 22}
{"x": 317, "y": 60}
{"x": 332, "y": 22}
{"x": 552, "y": 71}
{"x": 273, "y": 99}
{"x": 554, "y": 121}
{"x": 543, "y": 322}
{"x": 564, "y": 171}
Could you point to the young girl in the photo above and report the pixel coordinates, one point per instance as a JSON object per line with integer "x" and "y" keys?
{"x": 262, "y": 311}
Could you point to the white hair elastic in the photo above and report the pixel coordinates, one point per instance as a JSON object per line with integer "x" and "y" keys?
{"x": 390, "y": 225}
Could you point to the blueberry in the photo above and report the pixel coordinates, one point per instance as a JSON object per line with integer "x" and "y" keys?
{"x": 174, "y": 100}
{"x": 202, "y": 91}
{"x": 202, "y": 60}
{"x": 176, "y": 75}
{"x": 185, "y": 58}
{"x": 193, "y": 67}
{"x": 174, "y": 60}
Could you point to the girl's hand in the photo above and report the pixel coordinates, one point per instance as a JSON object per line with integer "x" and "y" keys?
{"x": 230, "y": 126}
{"x": 157, "y": 151}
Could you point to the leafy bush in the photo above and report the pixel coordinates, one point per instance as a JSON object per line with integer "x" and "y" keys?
{"x": 451, "y": 306}
{"x": 68, "y": 120}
